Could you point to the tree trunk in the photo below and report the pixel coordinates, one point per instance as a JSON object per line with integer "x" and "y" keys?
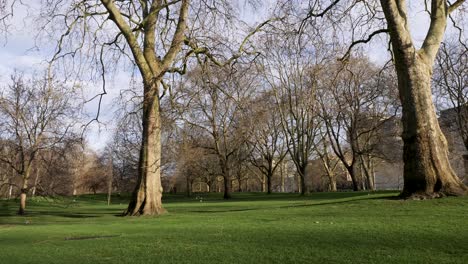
{"x": 23, "y": 195}
{"x": 282, "y": 171}
{"x": 427, "y": 170}
{"x": 331, "y": 176}
{"x": 36, "y": 180}
{"x": 269, "y": 176}
{"x": 264, "y": 183}
{"x": 146, "y": 198}
{"x": 368, "y": 166}
{"x": 10, "y": 191}
{"x": 352, "y": 173}
{"x": 227, "y": 188}
{"x": 22, "y": 209}
{"x": 188, "y": 186}
{"x": 331, "y": 179}
{"x": 109, "y": 181}
{"x": 302, "y": 182}
{"x": 332, "y": 185}
{"x": 465, "y": 163}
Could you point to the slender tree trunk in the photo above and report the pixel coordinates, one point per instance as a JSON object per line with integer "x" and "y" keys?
{"x": 188, "y": 186}
{"x": 282, "y": 172}
{"x": 109, "y": 181}
{"x": 304, "y": 187}
{"x": 36, "y": 180}
{"x": 227, "y": 188}
{"x": 330, "y": 174}
{"x": 331, "y": 179}
{"x": 146, "y": 198}
{"x": 10, "y": 191}
{"x": 269, "y": 176}
{"x": 465, "y": 163}
{"x": 369, "y": 171}
{"x": 352, "y": 173}
{"x": 264, "y": 183}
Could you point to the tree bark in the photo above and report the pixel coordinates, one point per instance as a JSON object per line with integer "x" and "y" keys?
{"x": 264, "y": 183}
{"x": 282, "y": 171}
{"x": 269, "y": 183}
{"x": 332, "y": 185}
{"x": 146, "y": 198}
{"x": 188, "y": 183}
{"x": 427, "y": 171}
{"x": 303, "y": 187}
{"x": 36, "y": 180}
{"x": 352, "y": 173}
{"x": 110, "y": 181}
{"x": 23, "y": 194}
{"x": 22, "y": 209}
{"x": 227, "y": 188}
{"x": 10, "y": 191}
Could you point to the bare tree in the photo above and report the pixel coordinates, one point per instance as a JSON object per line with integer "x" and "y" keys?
{"x": 354, "y": 104}
{"x": 427, "y": 171}
{"x": 266, "y": 139}
{"x": 451, "y": 83}
{"x": 288, "y": 70}
{"x": 158, "y": 38}
{"x": 217, "y": 108}
{"x": 329, "y": 162}
{"x": 37, "y": 116}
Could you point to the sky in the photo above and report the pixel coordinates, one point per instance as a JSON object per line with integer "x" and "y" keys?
{"x": 17, "y": 52}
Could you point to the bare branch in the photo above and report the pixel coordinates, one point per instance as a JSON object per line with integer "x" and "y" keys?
{"x": 346, "y": 56}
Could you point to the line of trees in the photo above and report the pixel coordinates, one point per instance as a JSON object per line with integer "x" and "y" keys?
{"x": 222, "y": 99}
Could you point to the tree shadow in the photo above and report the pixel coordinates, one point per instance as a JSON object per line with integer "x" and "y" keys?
{"x": 312, "y": 204}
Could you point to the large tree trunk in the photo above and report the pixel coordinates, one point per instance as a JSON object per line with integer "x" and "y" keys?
{"x": 146, "y": 198}
{"x": 23, "y": 194}
{"x": 465, "y": 165}
{"x": 427, "y": 170}
{"x": 332, "y": 184}
{"x": 227, "y": 188}
{"x": 22, "y": 209}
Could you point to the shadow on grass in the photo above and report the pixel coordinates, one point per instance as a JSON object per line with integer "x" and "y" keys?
{"x": 82, "y": 203}
{"x": 357, "y": 199}
{"x": 252, "y": 197}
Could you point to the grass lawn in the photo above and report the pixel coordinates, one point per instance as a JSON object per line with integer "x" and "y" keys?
{"x": 251, "y": 228}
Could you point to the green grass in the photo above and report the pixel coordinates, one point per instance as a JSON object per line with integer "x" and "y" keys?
{"x": 251, "y": 228}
